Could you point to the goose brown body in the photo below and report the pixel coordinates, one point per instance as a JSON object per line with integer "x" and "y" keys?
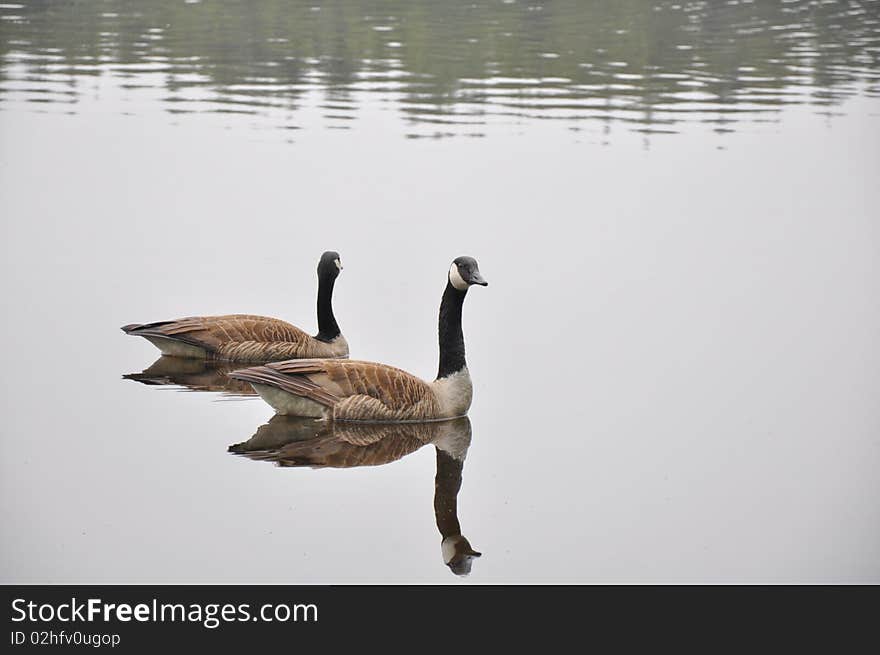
{"x": 236, "y": 338}
{"x": 350, "y": 390}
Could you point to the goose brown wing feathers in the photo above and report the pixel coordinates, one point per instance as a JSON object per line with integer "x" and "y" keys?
{"x": 368, "y": 391}
{"x": 355, "y": 390}
{"x": 236, "y": 337}
{"x": 298, "y": 385}
{"x": 344, "y": 378}
{"x": 214, "y": 331}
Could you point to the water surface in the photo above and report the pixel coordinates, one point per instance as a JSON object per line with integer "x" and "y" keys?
{"x": 675, "y": 364}
{"x": 446, "y": 69}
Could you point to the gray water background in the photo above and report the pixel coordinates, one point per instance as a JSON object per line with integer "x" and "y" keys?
{"x": 676, "y": 363}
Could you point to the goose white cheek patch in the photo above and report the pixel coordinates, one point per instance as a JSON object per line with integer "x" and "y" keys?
{"x": 456, "y": 279}
{"x": 338, "y": 264}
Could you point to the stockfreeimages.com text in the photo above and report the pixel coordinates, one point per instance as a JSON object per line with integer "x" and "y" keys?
{"x": 210, "y": 615}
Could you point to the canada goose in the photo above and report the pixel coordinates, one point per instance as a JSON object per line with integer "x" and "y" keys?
{"x": 305, "y": 442}
{"x": 246, "y": 338}
{"x": 192, "y": 375}
{"x": 346, "y": 390}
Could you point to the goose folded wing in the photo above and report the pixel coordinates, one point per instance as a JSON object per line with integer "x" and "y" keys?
{"x": 394, "y": 388}
{"x": 298, "y": 385}
{"x": 215, "y": 332}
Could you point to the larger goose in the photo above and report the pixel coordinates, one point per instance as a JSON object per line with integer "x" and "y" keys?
{"x": 246, "y": 338}
{"x": 346, "y": 390}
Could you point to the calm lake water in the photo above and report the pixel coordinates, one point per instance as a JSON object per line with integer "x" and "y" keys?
{"x": 676, "y": 362}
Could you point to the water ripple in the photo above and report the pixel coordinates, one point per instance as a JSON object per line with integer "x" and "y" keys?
{"x": 648, "y": 66}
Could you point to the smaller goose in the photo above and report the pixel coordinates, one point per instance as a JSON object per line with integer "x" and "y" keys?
{"x": 347, "y": 390}
{"x": 246, "y": 338}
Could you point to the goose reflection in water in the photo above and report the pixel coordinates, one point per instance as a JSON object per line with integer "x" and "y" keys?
{"x": 298, "y": 442}
{"x": 193, "y": 375}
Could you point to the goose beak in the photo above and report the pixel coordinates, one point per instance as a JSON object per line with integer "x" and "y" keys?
{"x": 476, "y": 278}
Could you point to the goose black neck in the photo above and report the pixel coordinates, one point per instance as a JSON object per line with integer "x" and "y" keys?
{"x": 451, "y": 337}
{"x": 327, "y": 327}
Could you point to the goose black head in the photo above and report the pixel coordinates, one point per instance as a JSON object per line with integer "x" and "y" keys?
{"x": 329, "y": 264}
{"x": 464, "y": 272}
